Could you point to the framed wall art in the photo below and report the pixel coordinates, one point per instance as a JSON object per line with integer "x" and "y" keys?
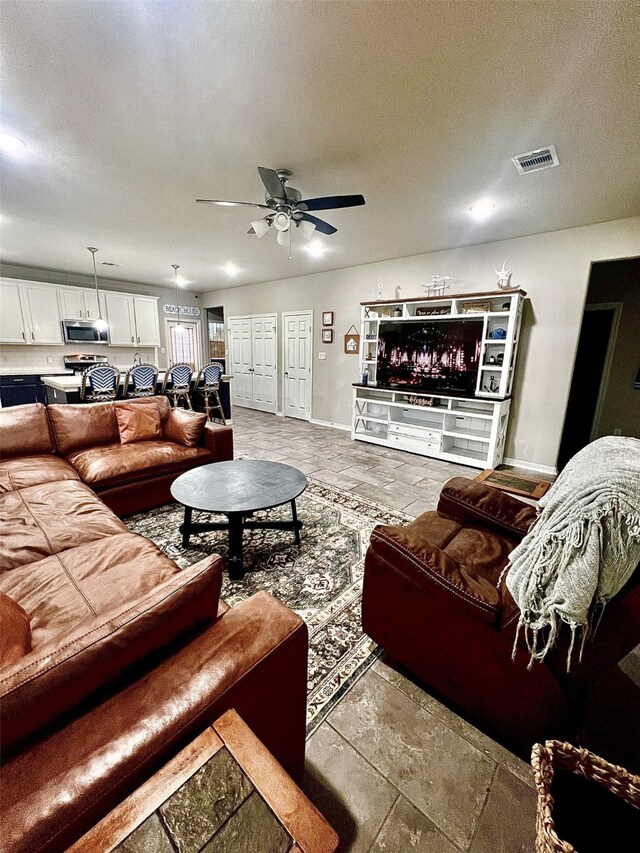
{"x": 327, "y": 318}
{"x": 327, "y": 336}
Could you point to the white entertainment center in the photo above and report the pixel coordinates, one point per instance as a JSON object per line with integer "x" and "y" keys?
{"x": 468, "y": 428}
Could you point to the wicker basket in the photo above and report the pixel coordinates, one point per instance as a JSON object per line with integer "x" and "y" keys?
{"x": 555, "y": 754}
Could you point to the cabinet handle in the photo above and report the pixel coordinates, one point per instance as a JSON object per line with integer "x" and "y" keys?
{"x": 33, "y": 337}
{"x": 132, "y": 340}
{"x": 18, "y": 380}
{"x": 138, "y": 338}
{"x": 23, "y": 337}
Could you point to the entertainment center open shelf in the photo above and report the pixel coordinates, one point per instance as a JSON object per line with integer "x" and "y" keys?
{"x": 468, "y": 427}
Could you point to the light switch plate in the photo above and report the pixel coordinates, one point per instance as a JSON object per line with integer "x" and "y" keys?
{"x": 322, "y": 356}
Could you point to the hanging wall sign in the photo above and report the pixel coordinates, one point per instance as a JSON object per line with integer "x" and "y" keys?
{"x": 185, "y": 310}
{"x": 352, "y": 341}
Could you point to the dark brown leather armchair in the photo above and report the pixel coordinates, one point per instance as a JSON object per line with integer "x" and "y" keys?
{"x": 432, "y": 599}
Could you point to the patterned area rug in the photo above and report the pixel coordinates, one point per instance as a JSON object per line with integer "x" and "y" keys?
{"x": 321, "y": 579}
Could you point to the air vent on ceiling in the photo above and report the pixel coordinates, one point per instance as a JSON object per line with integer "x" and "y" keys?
{"x": 534, "y": 161}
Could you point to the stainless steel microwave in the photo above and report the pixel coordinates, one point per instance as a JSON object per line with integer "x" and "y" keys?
{"x": 83, "y": 332}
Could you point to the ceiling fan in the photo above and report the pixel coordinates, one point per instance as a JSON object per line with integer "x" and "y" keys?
{"x": 287, "y": 208}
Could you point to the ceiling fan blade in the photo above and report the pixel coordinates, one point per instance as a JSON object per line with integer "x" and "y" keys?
{"x": 272, "y": 183}
{"x": 231, "y": 203}
{"x": 331, "y": 202}
{"x": 321, "y": 226}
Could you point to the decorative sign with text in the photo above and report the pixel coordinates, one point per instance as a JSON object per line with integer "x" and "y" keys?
{"x": 185, "y": 310}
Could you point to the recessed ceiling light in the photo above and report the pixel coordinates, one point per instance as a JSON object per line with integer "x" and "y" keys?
{"x": 315, "y": 249}
{"x": 482, "y": 209}
{"x": 10, "y": 144}
{"x": 231, "y": 269}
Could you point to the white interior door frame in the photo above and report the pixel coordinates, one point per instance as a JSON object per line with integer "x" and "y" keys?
{"x": 239, "y": 398}
{"x": 616, "y": 307}
{"x": 286, "y": 316}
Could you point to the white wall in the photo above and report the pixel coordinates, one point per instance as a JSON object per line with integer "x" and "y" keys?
{"x": 554, "y": 270}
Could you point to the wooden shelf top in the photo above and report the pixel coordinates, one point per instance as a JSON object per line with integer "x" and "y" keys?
{"x": 512, "y": 291}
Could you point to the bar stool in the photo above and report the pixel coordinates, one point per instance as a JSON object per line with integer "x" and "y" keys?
{"x": 210, "y": 377}
{"x": 140, "y": 380}
{"x": 99, "y": 383}
{"x": 178, "y": 376}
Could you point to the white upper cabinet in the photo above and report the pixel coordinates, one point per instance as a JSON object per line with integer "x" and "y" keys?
{"x": 147, "y": 327}
{"x": 42, "y": 309}
{"x": 12, "y": 327}
{"x": 78, "y": 303}
{"x": 72, "y": 303}
{"x": 120, "y": 316}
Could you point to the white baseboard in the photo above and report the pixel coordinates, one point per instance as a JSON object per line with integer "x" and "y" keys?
{"x": 318, "y": 422}
{"x": 530, "y": 466}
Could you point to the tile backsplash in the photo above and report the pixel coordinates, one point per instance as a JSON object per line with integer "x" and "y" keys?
{"x": 37, "y": 356}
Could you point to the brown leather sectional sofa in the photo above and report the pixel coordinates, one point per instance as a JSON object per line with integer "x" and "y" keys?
{"x": 432, "y": 599}
{"x": 126, "y": 658}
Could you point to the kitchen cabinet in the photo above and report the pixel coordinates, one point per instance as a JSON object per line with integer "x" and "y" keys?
{"x": 121, "y": 319}
{"x": 12, "y": 327}
{"x": 78, "y": 303}
{"x": 146, "y": 317}
{"x": 42, "y": 308}
{"x": 17, "y": 390}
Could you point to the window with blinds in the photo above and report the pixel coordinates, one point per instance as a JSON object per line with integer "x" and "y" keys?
{"x": 182, "y": 343}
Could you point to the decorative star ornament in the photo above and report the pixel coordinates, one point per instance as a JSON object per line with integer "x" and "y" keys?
{"x": 503, "y": 275}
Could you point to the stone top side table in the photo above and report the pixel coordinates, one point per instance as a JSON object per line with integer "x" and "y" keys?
{"x": 224, "y": 793}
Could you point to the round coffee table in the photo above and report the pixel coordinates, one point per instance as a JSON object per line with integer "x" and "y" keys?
{"x": 237, "y": 489}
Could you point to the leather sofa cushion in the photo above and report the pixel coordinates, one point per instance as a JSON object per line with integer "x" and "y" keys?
{"x": 439, "y": 553}
{"x": 138, "y": 422}
{"x": 57, "y": 677}
{"x": 63, "y": 591}
{"x": 15, "y": 632}
{"x": 466, "y": 500}
{"x": 82, "y": 425}
{"x": 24, "y": 431}
{"x": 184, "y": 427}
{"x": 33, "y": 471}
{"x": 42, "y": 520}
{"x": 114, "y": 464}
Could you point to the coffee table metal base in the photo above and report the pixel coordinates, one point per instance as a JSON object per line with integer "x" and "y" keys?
{"x": 236, "y": 524}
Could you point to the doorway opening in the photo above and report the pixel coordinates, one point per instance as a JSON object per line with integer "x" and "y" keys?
{"x": 297, "y": 346}
{"x": 184, "y": 342}
{"x": 602, "y": 399}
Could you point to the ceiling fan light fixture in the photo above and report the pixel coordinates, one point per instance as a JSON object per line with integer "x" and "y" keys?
{"x": 282, "y": 221}
{"x": 306, "y": 228}
{"x": 260, "y": 226}
{"x": 283, "y": 238}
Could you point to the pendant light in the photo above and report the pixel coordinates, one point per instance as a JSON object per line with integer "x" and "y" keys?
{"x": 100, "y": 324}
{"x": 178, "y": 325}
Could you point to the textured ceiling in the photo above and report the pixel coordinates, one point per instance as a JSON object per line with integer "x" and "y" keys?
{"x": 131, "y": 110}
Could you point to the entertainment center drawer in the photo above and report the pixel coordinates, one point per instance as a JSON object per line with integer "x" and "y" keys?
{"x": 413, "y": 445}
{"x": 424, "y": 433}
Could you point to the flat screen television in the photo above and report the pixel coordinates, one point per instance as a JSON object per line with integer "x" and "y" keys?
{"x": 429, "y": 355}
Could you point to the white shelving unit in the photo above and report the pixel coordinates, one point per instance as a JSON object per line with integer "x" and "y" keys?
{"x": 471, "y": 431}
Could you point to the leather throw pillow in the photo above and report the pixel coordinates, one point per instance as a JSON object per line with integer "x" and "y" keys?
{"x": 138, "y": 421}
{"x": 15, "y": 636}
{"x": 184, "y": 427}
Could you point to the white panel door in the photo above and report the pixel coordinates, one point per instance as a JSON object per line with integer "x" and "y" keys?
{"x": 121, "y": 319}
{"x": 241, "y": 367}
{"x": 72, "y": 304}
{"x": 12, "y": 327}
{"x": 263, "y": 332}
{"x": 297, "y": 364}
{"x": 147, "y": 329}
{"x": 43, "y": 313}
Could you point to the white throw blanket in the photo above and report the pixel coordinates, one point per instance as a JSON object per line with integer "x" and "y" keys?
{"x": 584, "y": 546}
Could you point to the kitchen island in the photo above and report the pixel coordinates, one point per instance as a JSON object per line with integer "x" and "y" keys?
{"x": 66, "y": 389}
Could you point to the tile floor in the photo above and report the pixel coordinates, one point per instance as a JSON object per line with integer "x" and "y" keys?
{"x": 392, "y": 768}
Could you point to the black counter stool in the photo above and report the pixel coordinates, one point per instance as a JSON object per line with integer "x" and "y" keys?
{"x": 99, "y": 383}
{"x": 208, "y": 384}
{"x": 177, "y": 384}
{"x": 140, "y": 380}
